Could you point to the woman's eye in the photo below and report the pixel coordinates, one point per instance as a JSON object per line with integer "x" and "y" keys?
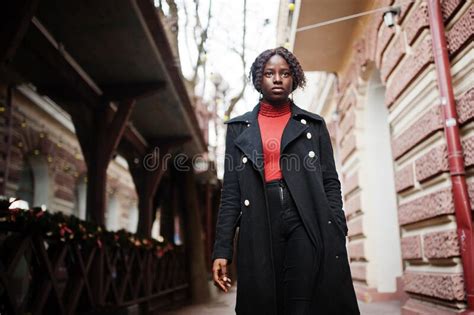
{"x": 268, "y": 74}
{"x": 286, "y": 74}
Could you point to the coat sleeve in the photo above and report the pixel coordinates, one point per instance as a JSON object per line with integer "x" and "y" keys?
{"x": 229, "y": 208}
{"x": 332, "y": 185}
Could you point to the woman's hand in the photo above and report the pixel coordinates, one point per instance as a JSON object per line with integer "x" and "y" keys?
{"x": 219, "y": 271}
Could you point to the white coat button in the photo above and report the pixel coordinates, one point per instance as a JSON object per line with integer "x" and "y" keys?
{"x": 308, "y": 135}
{"x": 248, "y": 125}
{"x": 244, "y": 159}
{"x": 329, "y": 222}
{"x": 303, "y": 121}
{"x": 246, "y": 202}
{"x": 311, "y": 154}
{"x": 337, "y": 257}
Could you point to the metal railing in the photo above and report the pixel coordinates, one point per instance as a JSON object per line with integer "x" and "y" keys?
{"x": 47, "y": 276}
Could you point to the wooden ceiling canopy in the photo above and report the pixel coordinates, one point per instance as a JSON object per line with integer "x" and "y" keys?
{"x": 31, "y": 53}
{"x": 111, "y": 67}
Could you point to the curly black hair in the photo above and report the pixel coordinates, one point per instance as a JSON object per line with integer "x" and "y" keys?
{"x": 256, "y": 71}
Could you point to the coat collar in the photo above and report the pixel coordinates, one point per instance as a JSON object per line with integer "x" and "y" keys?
{"x": 296, "y": 112}
{"x": 250, "y": 140}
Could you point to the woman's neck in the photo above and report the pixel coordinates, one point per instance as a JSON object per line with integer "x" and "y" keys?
{"x": 272, "y": 110}
{"x": 275, "y": 103}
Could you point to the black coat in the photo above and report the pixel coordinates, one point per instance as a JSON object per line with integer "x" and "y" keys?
{"x": 313, "y": 182}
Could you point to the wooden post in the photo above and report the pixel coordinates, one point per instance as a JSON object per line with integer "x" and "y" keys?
{"x": 147, "y": 174}
{"x": 194, "y": 243}
{"x": 147, "y": 169}
{"x": 168, "y": 208}
{"x": 98, "y": 148}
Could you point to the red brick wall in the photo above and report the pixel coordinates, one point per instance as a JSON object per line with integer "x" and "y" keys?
{"x": 430, "y": 248}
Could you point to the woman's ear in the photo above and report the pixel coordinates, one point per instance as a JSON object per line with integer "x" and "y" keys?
{"x": 295, "y": 82}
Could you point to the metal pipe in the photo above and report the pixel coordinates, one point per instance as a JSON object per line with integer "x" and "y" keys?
{"x": 455, "y": 155}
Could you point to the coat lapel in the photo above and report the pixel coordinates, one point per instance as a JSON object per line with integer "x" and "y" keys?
{"x": 294, "y": 128}
{"x": 250, "y": 140}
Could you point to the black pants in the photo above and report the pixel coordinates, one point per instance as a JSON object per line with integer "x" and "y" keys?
{"x": 296, "y": 259}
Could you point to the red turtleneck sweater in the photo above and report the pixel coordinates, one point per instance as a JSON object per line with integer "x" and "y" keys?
{"x": 272, "y": 120}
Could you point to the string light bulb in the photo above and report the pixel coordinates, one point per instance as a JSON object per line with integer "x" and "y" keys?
{"x": 291, "y": 5}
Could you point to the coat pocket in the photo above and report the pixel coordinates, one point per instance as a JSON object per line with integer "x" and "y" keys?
{"x": 237, "y": 222}
{"x": 337, "y": 224}
{"x": 339, "y": 227}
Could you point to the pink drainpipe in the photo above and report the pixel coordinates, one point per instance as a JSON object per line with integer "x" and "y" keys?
{"x": 462, "y": 204}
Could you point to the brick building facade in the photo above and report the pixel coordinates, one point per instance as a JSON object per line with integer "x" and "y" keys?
{"x": 46, "y": 155}
{"x": 385, "y": 114}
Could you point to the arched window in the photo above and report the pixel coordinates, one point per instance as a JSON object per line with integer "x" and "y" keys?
{"x": 26, "y": 188}
{"x": 34, "y": 187}
{"x": 379, "y": 199}
{"x": 80, "y": 203}
{"x": 43, "y": 191}
{"x": 112, "y": 220}
{"x": 156, "y": 228}
{"x": 133, "y": 219}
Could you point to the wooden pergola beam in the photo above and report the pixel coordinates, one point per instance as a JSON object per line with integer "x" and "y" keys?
{"x": 100, "y": 150}
{"x": 110, "y": 125}
{"x": 117, "y": 127}
{"x": 172, "y": 140}
{"x": 110, "y": 93}
{"x": 83, "y": 88}
{"x": 133, "y": 138}
{"x": 147, "y": 180}
{"x": 132, "y": 91}
{"x": 73, "y": 78}
{"x": 15, "y": 18}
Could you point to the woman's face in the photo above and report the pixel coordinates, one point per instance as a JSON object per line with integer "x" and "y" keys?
{"x": 277, "y": 82}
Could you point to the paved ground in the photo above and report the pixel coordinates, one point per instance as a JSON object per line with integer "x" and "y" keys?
{"x": 223, "y": 304}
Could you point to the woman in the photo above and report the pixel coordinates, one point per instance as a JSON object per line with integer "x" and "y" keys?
{"x": 281, "y": 187}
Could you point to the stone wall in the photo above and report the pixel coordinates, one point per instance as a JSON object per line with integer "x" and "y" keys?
{"x": 432, "y": 270}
